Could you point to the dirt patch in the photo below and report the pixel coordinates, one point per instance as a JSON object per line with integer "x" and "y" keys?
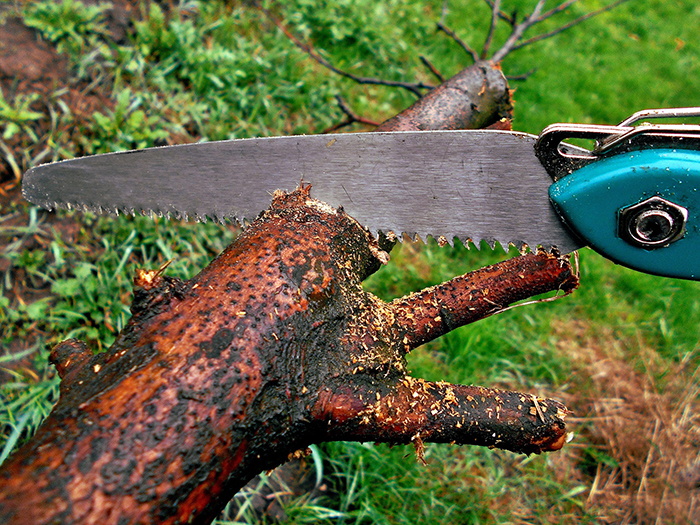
{"x": 23, "y": 57}
{"x": 32, "y": 69}
{"x": 33, "y": 73}
{"x": 643, "y": 460}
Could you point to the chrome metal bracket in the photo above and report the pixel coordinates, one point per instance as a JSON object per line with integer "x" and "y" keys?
{"x": 561, "y": 159}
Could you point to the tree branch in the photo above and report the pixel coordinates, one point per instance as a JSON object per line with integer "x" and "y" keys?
{"x": 515, "y": 40}
{"x": 469, "y": 50}
{"x": 518, "y": 31}
{"x": 569, "y": 25}
{"x": 416, "y": 88}
{"x": 476, "y": 97}
{"x": 352, "y": 117}
{"x": 443, "y": 11}
{"x": 417, "y": 411}
{"x": 509, "y": 19}
{"x": 522, "y": 76}
{"x": 556, "y": 10}
{"x": 486, "y": 291}
{"x": 427, "y": 63}
{"x": 492, "y": 28}
{"x": 272, "y": 347}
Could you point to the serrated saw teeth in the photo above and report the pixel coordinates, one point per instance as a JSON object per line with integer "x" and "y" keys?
{"x": 242, "y": 222}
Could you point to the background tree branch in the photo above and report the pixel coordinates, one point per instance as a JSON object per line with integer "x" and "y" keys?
{"x": 516, "y": 40}
{"x": 416, "y": 88}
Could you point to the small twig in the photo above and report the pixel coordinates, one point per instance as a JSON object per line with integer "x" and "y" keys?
{"x": 523, "y": 76}
{"x": 518, "y": 31}
{"x": 495, "y": 9}
{"x": 443, "y": 13}
{"x": 515, "y": 40}
{"x": 549, "y": 299}
{"x": 352, "y": 117}
{"x": 556, "y": 10}
{"x": 510, "y": 19}
{"x": 471, "y": 52}
{"x": 415, "y": 88}
{"x": 432, "y": 69}
{"x": 569, "y": 25}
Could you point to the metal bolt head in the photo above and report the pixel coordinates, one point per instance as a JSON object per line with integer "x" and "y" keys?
{"x": 652, "y": 223}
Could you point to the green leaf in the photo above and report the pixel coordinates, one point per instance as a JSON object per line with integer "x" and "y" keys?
{"x": 37, "y": 310}
{"x": 11, "y": 129}
{"x": 66, "y": 287}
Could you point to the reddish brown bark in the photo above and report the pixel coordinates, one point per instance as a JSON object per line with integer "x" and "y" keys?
{"x": 272, "y": 347}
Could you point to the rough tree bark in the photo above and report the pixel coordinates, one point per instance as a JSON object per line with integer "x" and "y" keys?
{"x": 272, "y": 347}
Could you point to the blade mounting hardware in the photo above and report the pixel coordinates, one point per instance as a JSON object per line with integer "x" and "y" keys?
{"x": 653, "y": 223}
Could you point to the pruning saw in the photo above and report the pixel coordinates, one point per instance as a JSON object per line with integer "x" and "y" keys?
{"x": 634, "y": 197}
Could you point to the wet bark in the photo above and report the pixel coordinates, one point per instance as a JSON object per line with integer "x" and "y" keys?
{"x": 476, "y": 97}
{"x": 272, "y": 347}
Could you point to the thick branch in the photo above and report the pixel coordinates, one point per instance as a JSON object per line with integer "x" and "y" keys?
{"x": 476, "y": 97}
{"x": 435, "y": 311}
{"x": 272, "y": 347}
{"x": 417, "y": 411}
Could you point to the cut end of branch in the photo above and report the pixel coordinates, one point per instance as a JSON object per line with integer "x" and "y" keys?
{"x": 148, "y": 279}
{"x": 476, "y": 97}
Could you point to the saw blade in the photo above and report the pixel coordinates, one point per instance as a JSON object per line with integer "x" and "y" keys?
{"x": 478, "y": 185}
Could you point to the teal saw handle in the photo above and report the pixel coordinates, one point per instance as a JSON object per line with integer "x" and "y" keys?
{"x": 640, "y": 209}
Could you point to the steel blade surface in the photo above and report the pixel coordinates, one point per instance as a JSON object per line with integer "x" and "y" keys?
{"x": 478, "y": 185}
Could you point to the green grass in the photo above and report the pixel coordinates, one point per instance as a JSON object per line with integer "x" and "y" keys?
{"x": 217, "y": 70}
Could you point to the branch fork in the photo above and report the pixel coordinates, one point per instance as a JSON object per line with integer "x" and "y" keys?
{"x": 272, "y": 347}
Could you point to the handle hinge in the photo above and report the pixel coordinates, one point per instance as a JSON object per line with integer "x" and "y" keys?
{"x": 561, "y": 159}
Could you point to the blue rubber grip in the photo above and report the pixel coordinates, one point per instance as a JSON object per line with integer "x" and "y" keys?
{"x": 589, "y": 201}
